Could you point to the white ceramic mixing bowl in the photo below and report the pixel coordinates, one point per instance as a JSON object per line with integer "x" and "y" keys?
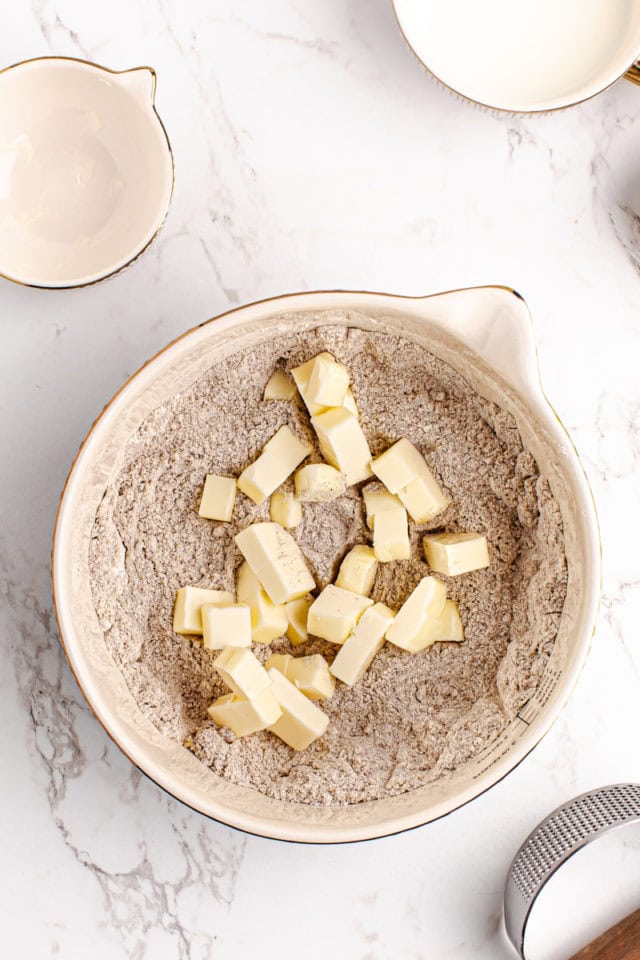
{"x": 484, "y": 333}
{"x": 86, "y": 171}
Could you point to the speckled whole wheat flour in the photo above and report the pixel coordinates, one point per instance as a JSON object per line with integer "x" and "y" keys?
{"x": 412, "y": 717}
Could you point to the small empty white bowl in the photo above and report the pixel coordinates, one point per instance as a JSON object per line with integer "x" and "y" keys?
{"x": 86, "y": 171}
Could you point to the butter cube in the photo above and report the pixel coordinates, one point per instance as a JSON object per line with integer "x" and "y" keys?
{"x": 218, "y": 498}
{"x": 228, "y": 626}
{"x": 456, "y": 553}
{"x": 301, "y": 722}
{"x": 358, "y": 570}
{"x": 242, "y": 672}
{"x": 343, "y": 444}
{"x": 446, "y": 627}
{"x": 285, "y": 509}
{"x": 279, "y": 387}
{"x": 426, "y": 602}
{"x": 189, "y": 600}
{"x": 328, "y": 383}
{"x": 276, "y": 560}
{"x": 279, "y": 458}
{"x": 357, "y": 652}
{"x": 318, "y": 483}
{"x": 404, "y": 471}
{"x": 302, "y": 375}
{"x": 309, "y": 674}
{"x": 349, "y": 403}
{"x": 244, "y": 716}
{"x": 335, "y": 612}
{"x": 391, "y": 535}
{"x": 377, "y": 499}
{"x": 268, "y": 620}
{"x": 297, "y": 613}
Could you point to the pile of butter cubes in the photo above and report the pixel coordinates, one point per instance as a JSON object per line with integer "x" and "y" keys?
{"x": 274, "y": 585}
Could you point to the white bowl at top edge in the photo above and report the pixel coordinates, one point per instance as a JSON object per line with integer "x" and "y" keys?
{"x": 525, "y": 57}
{"x": 484, "y": 333}
{"x": 86, "y": 170}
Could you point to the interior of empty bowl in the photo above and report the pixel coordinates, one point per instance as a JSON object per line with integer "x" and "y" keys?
{"x": 429, "y": 323}
{"x": 86, "y": 170}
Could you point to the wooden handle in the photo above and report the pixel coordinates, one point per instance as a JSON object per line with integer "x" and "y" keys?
{"x": 621, "y": 942}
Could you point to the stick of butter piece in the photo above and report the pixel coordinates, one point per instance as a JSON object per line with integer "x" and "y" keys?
{"x": 328, "y": 383}
{"x": 309, "y": 674}
{"x": 268, "y": 620}
{"x": 218, "y": 498}
{"x": 358, "y": 570}
{"x": 349, "y": 403}
{"x": 446, "y": 627}
{"x": 318, "y": 483}
{"x": 276, "y": 560}
{"x": 456, "y": 553}
{"x": 242, "y": 672}
{"x": 335, "y": 612}
{"x": 302, "y": 721}
{"x": 228, "y": 626}
{"x": 391, "y": 535}
{"x": 189, "y": 600}
{"x": 279, "y": 458}
{"x": 404, "y": 472}
{"x": 343, "y": 444}
{"x": 279, "y": 387}
{"x": 244, "y": 716}
{"x": 427, "y": 601}
{"x": 297, "y": 612}
{"x": 357, "y": 652}
{"x": 302, "y": 375}
{"x": 376, "y": 499}
{"x": 285, "y": 509}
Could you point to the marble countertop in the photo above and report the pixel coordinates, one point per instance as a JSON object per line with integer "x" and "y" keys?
{"x": 311, "y": 151}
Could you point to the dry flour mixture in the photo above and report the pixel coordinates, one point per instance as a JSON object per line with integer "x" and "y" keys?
{"x": 413, "y": 716}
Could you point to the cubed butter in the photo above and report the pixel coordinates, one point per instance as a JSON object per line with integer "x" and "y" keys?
{"x": 318, "y": 483}
{"x": 456, "y": 553}
{"x": 404, "y": 472}
{"x": 335, "y": 612}
{"x": 268, "y": 620}
{"x": 189, "y": 600}
{"x": 242, "y": 672}
{"x": 302, "y": 721}
{"x": 357, "y": 652}
{"x": 280, "y": 386}
{"x": 446, "y": 627}
{"x": 279, "y": 458}
{"x": 328, "y": 383}
{"x": 358, "y": 570}
{"x": 276, "y": 560}
{"x": 309, "y": 674}
{"x": 285, "y": 509}
{"x": 302, "y": 375}
{"x": 297, "y": 613}
{"x": 218, "y": 498}
{"x": 391, "y": 535}
{"x": 376, "y": 500}
{"x": 426, "y": 602}
{"x": 349, "y": 403}
{"x": 228, "y": 626}
{"x": 244, "y": 716}
{"x": 343, "y": 444}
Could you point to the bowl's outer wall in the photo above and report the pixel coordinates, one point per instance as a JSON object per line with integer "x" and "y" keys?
{"x": 484, "y": 333}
